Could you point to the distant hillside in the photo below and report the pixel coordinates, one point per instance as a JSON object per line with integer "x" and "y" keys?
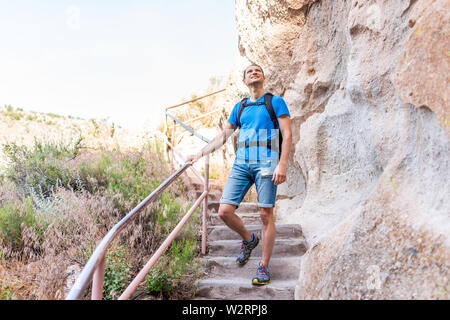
{"x": 23, "y": 127}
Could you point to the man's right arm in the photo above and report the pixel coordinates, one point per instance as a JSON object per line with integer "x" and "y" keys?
{"x": 216, "y": 143}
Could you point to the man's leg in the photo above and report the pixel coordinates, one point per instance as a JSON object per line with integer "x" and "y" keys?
{"x": 267, "y": 191}
{"x": 226, "y": 213}
{"x": 268, "y": 234}
{"x": 238, "y": 183}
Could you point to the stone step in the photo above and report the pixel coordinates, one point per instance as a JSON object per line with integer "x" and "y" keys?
{"x": 246, "y": 217}
{"x": 286, "y": 268}
{"x": 213, "y": 206}
{"x": 213, "y": 187}
{"x": 282, "y": 248}
{"x": 284, "y": 231}
{"x": 243, "y": 289}
{"x": 212, "y": 195}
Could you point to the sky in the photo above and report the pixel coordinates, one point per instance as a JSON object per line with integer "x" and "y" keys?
{"x": 119, "y": 60}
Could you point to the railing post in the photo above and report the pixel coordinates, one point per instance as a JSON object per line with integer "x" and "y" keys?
{"x": 98, "y": 278}
{"x": 166, "y": 133}
{"x": 205, "y": 205}
{"x": 173, "y": 142}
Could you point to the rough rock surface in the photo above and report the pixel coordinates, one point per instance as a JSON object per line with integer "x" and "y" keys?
{"x": 367, "y": 84}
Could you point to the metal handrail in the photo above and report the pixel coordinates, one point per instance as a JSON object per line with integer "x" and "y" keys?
{"x": 94, "y": 268}
{"x": 183, "y": 124}
{"x": 178, "y": 153}
{"x": 203, "y": 115}
{"x": 196, "y": 99}
{"x": 188, "y": 128}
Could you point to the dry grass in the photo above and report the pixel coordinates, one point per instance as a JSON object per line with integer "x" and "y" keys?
{"x": 44, "y": 235}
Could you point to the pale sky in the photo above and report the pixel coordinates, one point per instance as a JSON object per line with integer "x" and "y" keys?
{"x": 115, "y": 59}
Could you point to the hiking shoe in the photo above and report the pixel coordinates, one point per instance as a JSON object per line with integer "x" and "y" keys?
{"x": 246, "y": 249}
{"x": 262, "y": 275}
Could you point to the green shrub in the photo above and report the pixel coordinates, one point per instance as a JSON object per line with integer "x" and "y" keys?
{"x": 131, "y": 176}
{"x": 170, "y": 276}
{"x": 169, "y": 215}
{"x": 159, "y": 281}
{"x": 12, "y": 113}
{"x": 95, "y": 130}
{"x": 13, "y": 218}
{"x": 30, "y": 117}
{"x": 6, "y": 292}
{"x": 42, "y": 167}
{"x": 117, "y": 273}
{"x": 45, "y": 166}
{"x": 53, "y": 115}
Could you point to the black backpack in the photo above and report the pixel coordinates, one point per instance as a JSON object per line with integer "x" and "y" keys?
{"x": 270, "y": 143}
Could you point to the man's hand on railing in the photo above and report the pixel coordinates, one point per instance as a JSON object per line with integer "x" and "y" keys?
{"x": 193, "y": 158}
{"x": 215, "y": 144}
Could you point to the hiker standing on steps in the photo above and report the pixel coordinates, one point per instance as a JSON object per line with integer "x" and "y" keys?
{"x": 259, "y": 159}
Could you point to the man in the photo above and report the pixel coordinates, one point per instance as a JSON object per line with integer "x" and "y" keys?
{"x": 256, "y": 162}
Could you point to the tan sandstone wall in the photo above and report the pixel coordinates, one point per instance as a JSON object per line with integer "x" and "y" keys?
{"x": 367, "y": 84}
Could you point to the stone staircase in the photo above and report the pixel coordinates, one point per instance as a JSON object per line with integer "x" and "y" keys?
{"x": 226, "y": 280}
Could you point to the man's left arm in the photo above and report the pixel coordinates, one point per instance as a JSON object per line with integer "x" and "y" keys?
{"x": 279, "y": 175}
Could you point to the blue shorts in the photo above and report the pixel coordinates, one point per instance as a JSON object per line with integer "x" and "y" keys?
{"x": 241, "y": 178}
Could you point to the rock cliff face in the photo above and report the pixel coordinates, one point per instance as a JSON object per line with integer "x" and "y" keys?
{"x": 367, "y": 84}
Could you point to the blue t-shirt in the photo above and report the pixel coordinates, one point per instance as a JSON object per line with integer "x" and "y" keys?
{"x": 256, "y": 125}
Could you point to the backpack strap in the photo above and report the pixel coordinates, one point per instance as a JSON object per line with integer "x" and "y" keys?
{"x": 268, "y": 103}
{"x": 242, "y": 105}
{"x": 273, "y": 144}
